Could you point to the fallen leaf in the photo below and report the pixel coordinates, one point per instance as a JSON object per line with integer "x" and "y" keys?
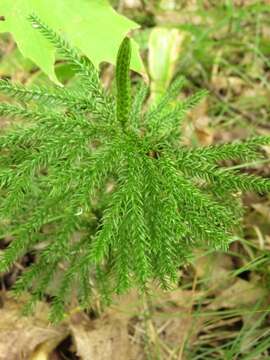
{"x": 204, "y": 134}
{"x": 20, "y": 337}
{"x": 200, "y": 121}
{"x": 105, "y": 338}
{"x": 225, "y": 83}
{"x": 214, "y": 269}
{"x": 132, "y": 4}
{"x": 241, "y": 293}
{"x": 262, "y": 209}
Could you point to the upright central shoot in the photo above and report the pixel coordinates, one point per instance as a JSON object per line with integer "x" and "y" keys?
{"x": 123, "y": 82}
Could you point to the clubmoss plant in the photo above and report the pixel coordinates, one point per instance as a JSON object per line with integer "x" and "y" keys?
{"x": 103, "y": 192}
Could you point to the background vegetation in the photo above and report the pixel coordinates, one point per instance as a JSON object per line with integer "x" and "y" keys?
{"x": 221, "y": 308}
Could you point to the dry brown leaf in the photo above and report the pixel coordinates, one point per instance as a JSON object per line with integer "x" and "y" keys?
{"x": 204, "y": 134}
{"x": 176, "y": 298}
{"x": 173, "y": 317}
{"x": 176, "y": 330}
{"x": 128, "y": 305}
{"x": 132, "y": 4}
{"x": 44, "y": 354}
{"x": 221, "y": 82}
{"x": 201, "y": 121}
{"x": 105, "y": 338}
{"x": 266, "y": 30}
{"x": 262, "y": 209}
{"x": 21, "y": 336}
{"x": 241, "y": 293}
{"x": 176, "y": 17}
{"x": 214, "y": 269}
{"x": 245, "y": 2}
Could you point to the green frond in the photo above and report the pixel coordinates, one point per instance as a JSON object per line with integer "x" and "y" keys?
{"x": 19, "y": 181}
{"x": 168, "y": 231}
{"x": 138, "y": 238}
{"x": 157, "y": 109}
{"x": 65, "y": 287}
{"x": 25, "y": 237}
{"x": 102, "y": 278}
{"x": 107, "y": 234}
{"x": 236, "y": 181}
{"x": 169, "y": 122}
{"x": 38, "y": 293}
{"x": 139, "y": 98}
{"x": 247, "y": 150}
{"x": 82, "y": 66}
{"x": 208, "y": 220}
{"x": 56, "y": 96}
{"x": 16, "y": 111}
{"x": 224, "y": 179}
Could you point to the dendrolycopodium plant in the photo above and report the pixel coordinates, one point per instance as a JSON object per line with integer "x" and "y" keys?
{"x": 104, "y": 193}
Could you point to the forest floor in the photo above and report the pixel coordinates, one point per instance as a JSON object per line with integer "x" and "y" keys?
{"x": 221, "y": 308}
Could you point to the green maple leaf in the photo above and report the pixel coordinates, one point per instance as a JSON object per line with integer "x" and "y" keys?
{"x": 91, "y": 26}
